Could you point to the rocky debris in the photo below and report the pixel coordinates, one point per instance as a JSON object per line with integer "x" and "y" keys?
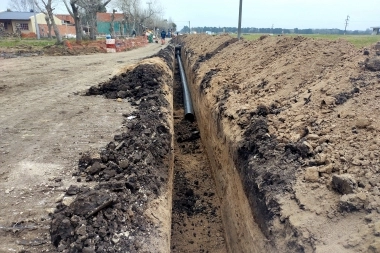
{"x": 373, "y": 63}
{"x": 376, "y": 228}
{"x": 362, "y": 123}
{"x": 272, "y": 173}
{"x": 95, "y": 168}
{"x": 344, "y": 184}
{"x": 352, "y": 202}
{"x": 131, "y": 172}
{"x": 377, "y": 46}
{"x": 21, "y": 53}
{"x": 374, "y": 247}
{"x": 312, "y": 174}
{"x": 342, "y": 97}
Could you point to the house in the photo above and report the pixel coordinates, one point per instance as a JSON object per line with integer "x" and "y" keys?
{"x": 10, "y": 20}
{"x": 66, "y": 19}
{"x": 25, "y": 21}
{"x": 376, "y": 30}
{"x": 104, "y": 23}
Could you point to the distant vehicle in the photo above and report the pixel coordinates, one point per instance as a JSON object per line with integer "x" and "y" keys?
{"x": 70, "y": 36}
{"x": 209, "y": 32}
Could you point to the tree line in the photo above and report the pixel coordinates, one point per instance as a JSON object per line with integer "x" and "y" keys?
{"x": 185, "y": 29}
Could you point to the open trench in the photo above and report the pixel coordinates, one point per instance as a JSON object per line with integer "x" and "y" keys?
{"x": 221, "y": 183}
{"x": 196, "y": 218}
{"x": 166, "y": 184}
{"x": 241, "y": 206}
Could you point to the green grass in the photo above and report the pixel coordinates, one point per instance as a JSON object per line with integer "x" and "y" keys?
{"x": 357, "y": 40}
{"x": 10, "y": 43}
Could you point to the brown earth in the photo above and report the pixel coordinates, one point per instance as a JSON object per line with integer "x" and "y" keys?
{"x": 300, "y": 118}
{"x": 196, "y": 219}
{"x": 46, "y": 126}
{"x": 132, "y": 172}
{"x": 290, "y": 126}
{"x": 72, "y": 48}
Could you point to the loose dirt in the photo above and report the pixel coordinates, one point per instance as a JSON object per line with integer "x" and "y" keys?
{"x": 301, "y": 119}
{"x": 290, "y": 126}
{"x": 70, "y": 47}
{"x": 46, "y": 126}
{"x": 196, "y": 222}
{"x": 132, "y": 172}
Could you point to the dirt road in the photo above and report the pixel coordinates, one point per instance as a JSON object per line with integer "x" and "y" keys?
{"x": 45, "y": 124}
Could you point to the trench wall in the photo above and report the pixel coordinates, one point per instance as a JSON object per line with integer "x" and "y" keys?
{"x": 243, "y": 233}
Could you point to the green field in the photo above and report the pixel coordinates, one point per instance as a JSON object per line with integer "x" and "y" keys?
{"x": 11, "y": 43}
{"x": 357, "y": 40}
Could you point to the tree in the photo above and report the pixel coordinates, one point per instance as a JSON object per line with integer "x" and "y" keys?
{"x": 91, "y": 7}
{"x": 74, "y": 12}
{"x": 174, "y": 26}
{"x": 135, "y": 13}
{"x": 149, "y": 15}
{"x": 112, "y": 25}
{"x": 21, "y": 5}
{"x": 47, "y": 19}
{"x": 185, "y": 29}
{"x": 48, "y": 10}
{"x": 130, "y": 10}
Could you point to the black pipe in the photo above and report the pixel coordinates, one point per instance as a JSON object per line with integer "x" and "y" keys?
{"x": 188, "y": 106}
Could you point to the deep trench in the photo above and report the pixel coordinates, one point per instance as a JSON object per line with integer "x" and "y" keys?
{"x": 196, "y": 218}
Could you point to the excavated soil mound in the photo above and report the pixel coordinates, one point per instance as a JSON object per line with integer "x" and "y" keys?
{"x": 77, "y": 50}
{"x": 20, "y": 51}
{"x": 72, "y": 48}
{"x": 132, "y": 172}
{"x": 301, "y": 117}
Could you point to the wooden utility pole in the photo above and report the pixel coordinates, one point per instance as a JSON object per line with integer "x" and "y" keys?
{"x": 345, "y": 27}
{"x": 35, "y": 22}
{"x": 239, "y": 25}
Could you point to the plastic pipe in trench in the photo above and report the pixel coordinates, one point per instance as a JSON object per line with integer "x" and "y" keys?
{"x": 188, "y": 106}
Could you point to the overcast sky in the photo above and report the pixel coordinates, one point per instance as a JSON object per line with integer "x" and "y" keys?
{"x": 265, "y": 13}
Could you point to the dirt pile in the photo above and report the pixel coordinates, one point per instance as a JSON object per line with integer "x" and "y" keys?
{"x": 91, "y": 47}
{"x": 72, "y": 48}
{"x": 20, "y": 51}
{"x": 132, "y": 173}
{"x": 301, "y": 116}
{"x": 56, "y": 50}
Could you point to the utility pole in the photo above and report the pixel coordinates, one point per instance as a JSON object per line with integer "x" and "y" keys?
{"x": 345, "y": 27}
{"x": 149, "y": 3}
{"x": 189, "y": 28}
{"x": 35, "y": 21}
{"x": 239, "y": 25}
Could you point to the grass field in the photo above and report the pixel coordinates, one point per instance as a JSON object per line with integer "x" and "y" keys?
{"x": 8, "y": 43}
{"x": 357, "y": 40}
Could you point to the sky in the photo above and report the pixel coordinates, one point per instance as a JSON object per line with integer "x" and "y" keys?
{"x": 288, "y": 14}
